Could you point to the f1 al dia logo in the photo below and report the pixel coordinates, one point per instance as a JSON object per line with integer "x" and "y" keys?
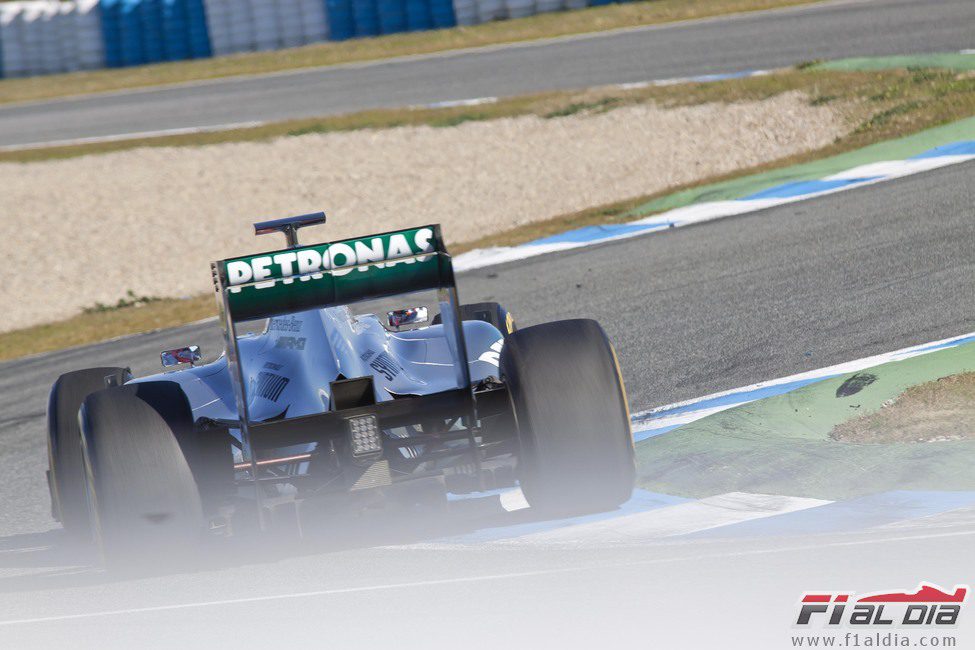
{"x": 927, "y": 605}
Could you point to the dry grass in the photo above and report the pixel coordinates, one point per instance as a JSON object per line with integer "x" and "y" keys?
{"x": 937, "y": 411}
{"x": 548, "y": 25}
{"x": 884, "y": 105}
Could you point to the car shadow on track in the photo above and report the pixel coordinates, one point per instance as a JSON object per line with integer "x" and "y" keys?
{"x": 52, "y": 560}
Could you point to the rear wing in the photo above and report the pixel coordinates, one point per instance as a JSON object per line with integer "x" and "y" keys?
{"x": 336, "y": 273}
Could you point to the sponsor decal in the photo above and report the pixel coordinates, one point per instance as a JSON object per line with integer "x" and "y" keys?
{"x": 285, "y": 324}
{"x": 291, "y": 342}
{"x": 927, "y": 605}
{"x": 339, "y": 258}
{"x": 270, "y": 386}
{"x": 338, "y": 273}
{"x": 493, "y": 355}
{"x": 385, "y": 366}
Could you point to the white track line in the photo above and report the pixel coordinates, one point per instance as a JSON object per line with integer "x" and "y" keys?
{"x": 132, "y": 136}
{"x": 453, "y": 103}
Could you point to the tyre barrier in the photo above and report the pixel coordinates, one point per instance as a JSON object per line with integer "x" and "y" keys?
{"x": 151, "y": 26}
{"x": 392, "y": 16}
{"x": 442, "y": 13}
{"x": 341, "y": 22}
{"x": 197, "y": 30}
{"x": 418, "y": 16}
{"x": 175, "y": 33}
{"x": 366, "y": 17}
{"x": 50, "y": 36}
{"x": 131, "y": 39}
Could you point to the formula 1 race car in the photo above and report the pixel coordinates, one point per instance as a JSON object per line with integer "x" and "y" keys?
{"x": 325, "y": 401}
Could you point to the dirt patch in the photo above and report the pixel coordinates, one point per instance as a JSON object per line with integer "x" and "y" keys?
{"x": 937, "y": 411}
{"x": 149, "y": 220}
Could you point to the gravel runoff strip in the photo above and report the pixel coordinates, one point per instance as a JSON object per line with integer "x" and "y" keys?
{"x": 149, "y": 220}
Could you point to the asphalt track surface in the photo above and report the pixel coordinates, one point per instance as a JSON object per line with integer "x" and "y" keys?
{"x": 692, "y": 311}
{"x": 728, "y": 44}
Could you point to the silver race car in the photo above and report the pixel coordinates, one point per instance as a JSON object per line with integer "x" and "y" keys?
{"x": 329, "y": 393}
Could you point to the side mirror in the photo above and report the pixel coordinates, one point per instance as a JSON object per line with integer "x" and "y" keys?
{"x": 181, "y": 356}
{"x": 409, "y": 316}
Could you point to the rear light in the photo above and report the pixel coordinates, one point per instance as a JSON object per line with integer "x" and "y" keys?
{"x": 364, "y": 436}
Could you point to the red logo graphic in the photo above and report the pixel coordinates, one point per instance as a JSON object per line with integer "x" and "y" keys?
{"x": 926, "y": 605}
{"x": 924, "y": 594}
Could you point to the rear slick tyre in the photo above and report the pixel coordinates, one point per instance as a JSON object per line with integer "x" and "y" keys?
{"x": 144, "y": 502}
{"x": 66, "y": 465}
{"x": 576, "y": 447}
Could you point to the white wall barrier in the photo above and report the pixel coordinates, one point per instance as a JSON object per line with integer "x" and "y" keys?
{"x": 466, "y": 12}
{"x": 52, "y": 57}
{"x": 88, "y": 32}
{"x": 67, "y": 38}
{"x": 314, "y": 24}
{"x": 267, "y": 32}
{"x": 47, "y": 36}
{"x": 241, "y": 25}
{"x": 30, "y": 37}
{"x": 290, "y": 33}
{"x": 11, "y": 48}
{"x": 546, "y": 6}
{"x": 218, "y": 26}
{"x": 249, "y": 25}
{"x": 488, "y": 10}
{"x": 231, "y": 26}
{"x": 520, "y": 8}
